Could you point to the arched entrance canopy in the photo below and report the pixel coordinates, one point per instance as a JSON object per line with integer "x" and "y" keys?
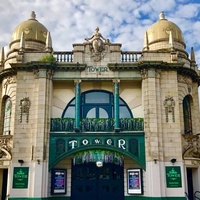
{"x": 130, "y": 144}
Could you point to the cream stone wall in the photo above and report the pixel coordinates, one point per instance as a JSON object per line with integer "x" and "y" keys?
{"x": 63, "y": 93}
{"x": 31, "y": 137}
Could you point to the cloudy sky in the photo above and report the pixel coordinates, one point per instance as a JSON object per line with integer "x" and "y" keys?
{"x": 121, "y": 21}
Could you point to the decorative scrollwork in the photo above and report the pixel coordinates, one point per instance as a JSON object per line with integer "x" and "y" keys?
{"x": 24, "y": 108}
{"x": 169, "y": 105}
{"x": 192, "y": 145}
{"x": 5, "y": 148}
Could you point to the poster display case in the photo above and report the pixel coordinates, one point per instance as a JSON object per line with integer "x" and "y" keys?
{"x": 58, "y": 181}
{"x": 134, "y": 178}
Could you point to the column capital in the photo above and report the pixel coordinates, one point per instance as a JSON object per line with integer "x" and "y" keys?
{"x": 116, "y": 80}
{"x": 77, "y": 81}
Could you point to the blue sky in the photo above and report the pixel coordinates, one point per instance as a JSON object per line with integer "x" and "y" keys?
{"x": 125, "y": 22}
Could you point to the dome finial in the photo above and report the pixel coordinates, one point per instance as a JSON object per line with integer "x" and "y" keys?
{"x": 162, "y": 15}
{"x": 33, "y": 15}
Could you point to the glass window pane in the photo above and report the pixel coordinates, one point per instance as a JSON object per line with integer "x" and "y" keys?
{"x": 121, "y": 102}
{"x": 7, "y": 117}
{"x": 102, "y": 113}
{"x": 91, "y": 113}
{"x": 97, "y": 97}
{"x": 73, "y": 102}
{"x": 70, "y": 112}
{"x": 124, "y": 112}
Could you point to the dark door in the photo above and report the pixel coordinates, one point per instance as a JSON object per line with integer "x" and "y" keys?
{"x": 4, "y": 185}
{"x": 98, "y": 183}
{"x": 190, "y": 183}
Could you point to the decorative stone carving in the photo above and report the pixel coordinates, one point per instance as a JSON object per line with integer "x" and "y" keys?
{"x": 191, "y": 147}
{"x": 5, "y": 148}
{"x": 97, "y": 42}
{"x": 185, "y": 79}
{"x": 49, "y": 74}
{"x": 36, "y": 73}
{"x": 9, "y": 80}
{"x": 144, "y": 73}
{"x": 169, "y": 105}
{"x": 24, "y": 108}
{"x": 158, "y": 73}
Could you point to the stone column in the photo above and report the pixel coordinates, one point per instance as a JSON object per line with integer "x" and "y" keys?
{"x": 153, "y": 133}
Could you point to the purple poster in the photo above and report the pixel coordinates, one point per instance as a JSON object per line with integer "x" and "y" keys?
{"x": 58, "y": 182}
{"x": 134, "y": 181}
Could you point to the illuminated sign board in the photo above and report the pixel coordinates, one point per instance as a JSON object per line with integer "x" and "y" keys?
{"x": 134, "y": 178}
{"x": 58, "y": 181}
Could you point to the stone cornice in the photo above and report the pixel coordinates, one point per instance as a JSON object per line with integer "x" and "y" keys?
{"x": 123, "y": 66}
{"x": 48, "y": 65}
{"x": 7, "y": 72}
{"x": 159, "y": 65}
{"x": 134, "y": 66}
{"x": 170, "y": 66}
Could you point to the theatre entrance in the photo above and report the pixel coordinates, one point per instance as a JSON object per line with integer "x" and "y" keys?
{"x": 91, "y": 182}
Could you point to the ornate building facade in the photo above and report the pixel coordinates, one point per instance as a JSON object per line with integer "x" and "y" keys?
{"x": 99, "y": 122}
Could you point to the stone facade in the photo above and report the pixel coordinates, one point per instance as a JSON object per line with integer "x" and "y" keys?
{"x": 152, "y": 84}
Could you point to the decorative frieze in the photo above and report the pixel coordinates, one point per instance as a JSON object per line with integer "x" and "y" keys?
{"x": 169, "y": 105}
{"x": 24, "y": 108}
{"x": 151, "y": 73}
{"x": 43, "y": 73}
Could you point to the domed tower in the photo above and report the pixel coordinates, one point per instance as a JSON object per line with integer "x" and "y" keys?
{"x": 29, "y": 36}
{"x": 165, "y": 37}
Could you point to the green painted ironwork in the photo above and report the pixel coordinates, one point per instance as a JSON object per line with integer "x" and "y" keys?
{"x": 116, "y": 105}
{"x": 130, "y": 144}
{"x": 77, "y": 106}
{"x": 97, "y": 125}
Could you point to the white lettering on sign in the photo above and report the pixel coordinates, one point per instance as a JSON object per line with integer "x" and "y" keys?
{"x": 85, "y": 142}
{"x": 97, "y": 69}
{"x": 73, "y": 143}
{"x": 97, "y": 141}
{"x": 109, "y": 142}
{"x": 120, "y": 143}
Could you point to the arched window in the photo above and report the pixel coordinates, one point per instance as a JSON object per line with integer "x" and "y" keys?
{"x": 97, "y": 104}
{"x": 187, "y": 114}
{"x": 7, "y": 117}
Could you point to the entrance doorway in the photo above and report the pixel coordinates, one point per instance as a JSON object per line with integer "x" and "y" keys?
{"x": 3, "y": 183}
{"x": 92, "y": 182}
{"x": 190, "y": 183}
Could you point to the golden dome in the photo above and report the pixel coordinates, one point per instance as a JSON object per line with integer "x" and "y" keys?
{"x": 160, "y": 31}
{"x": 33, "y": 30}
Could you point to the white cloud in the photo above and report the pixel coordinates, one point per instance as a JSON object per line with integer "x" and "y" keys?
{"x": 71, "y": 21}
